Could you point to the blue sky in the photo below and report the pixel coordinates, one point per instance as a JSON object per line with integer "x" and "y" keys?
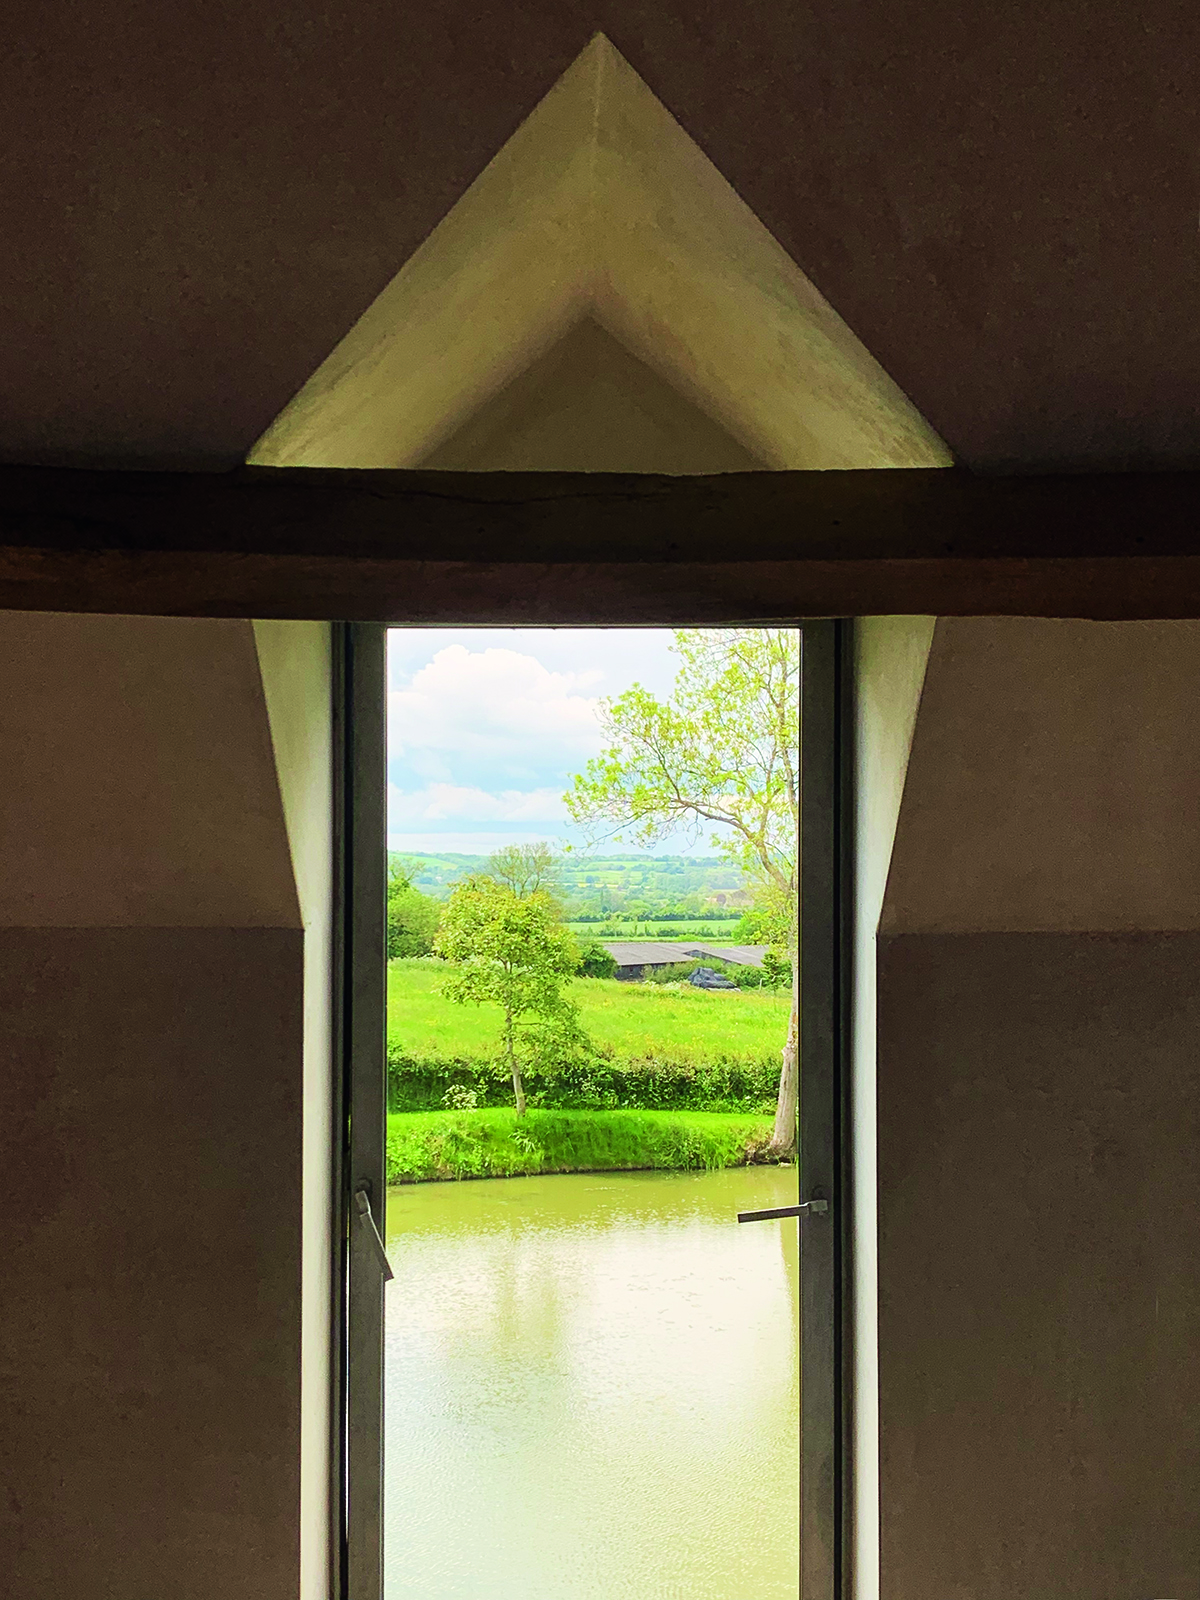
{"x": 487, "y": 726}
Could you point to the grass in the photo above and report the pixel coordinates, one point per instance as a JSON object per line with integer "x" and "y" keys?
{"x": 636, "y": 1020}
{"x": 424, "y": 1146}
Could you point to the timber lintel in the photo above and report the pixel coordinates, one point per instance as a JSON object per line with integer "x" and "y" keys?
{"x": 529, "y": 548}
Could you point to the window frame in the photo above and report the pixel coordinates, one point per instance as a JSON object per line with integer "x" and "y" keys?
{"x": 360, "y": 984}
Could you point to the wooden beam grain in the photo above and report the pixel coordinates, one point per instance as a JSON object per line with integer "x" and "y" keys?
{"x": 529, "y": 548}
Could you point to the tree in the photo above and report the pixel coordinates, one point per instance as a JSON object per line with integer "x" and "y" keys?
{"x": 595, "y": 961}
{"x": 723, "y": 750}
{"x": 511, "y": 949}
{"x": 525, "y": 868}
{"x": 412, "y": 917}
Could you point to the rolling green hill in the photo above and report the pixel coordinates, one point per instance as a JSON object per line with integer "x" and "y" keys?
{"x": 593, "y": 888}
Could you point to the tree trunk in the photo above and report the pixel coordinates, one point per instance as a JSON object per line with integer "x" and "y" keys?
{"x": 783, "y": 1139}
{"x": 513, "y": 1065}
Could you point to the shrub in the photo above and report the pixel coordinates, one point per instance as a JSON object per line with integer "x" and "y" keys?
{"x": 595, "y": 961}
{"x": 412, "y": 920}
{"x": 678, "y": 971}
{"x": 587, "y": 1080}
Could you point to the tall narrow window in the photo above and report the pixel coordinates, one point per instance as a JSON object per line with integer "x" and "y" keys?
{"x": 569, "y": 1032}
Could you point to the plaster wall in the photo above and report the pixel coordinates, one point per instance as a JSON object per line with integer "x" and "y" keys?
{"x": 890, "y": 655}
{"x": 589, "y": 405}
{"x": 1038, "y": 1131}
{"x": 151, "y": 973}
{"x": 296, "y": 664}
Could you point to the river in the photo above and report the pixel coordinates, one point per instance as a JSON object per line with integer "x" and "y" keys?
{"x": 592, "y": 1389}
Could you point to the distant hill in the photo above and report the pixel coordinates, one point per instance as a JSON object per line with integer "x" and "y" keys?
{"x": 593, "y": 886}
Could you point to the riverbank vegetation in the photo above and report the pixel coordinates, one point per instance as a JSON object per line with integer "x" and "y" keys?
{"x": 429, "y": 1146}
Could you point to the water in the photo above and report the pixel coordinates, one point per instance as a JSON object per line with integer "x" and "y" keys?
{"x": 592, "y": 1389}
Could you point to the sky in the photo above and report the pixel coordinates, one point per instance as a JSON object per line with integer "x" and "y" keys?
{"x": 487, "y": 727}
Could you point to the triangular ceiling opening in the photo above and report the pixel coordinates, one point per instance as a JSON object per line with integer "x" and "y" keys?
{"x": 600, "y": 299}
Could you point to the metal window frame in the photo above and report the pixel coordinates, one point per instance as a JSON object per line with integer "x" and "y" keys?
{"x": 361, "y": 1083}
{"x": 826, "y": 900}
{"x": 360, "y": 1087}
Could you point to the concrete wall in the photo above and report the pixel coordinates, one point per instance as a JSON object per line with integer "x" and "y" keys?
{"x": 1039, "y": 1121}
{"x": 151, "y": 972}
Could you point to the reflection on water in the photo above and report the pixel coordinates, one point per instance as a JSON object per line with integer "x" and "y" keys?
{"x": 592, "y": 1389}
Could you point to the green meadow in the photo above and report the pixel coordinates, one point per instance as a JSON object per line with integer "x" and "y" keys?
{"x": 634, "y": 1020}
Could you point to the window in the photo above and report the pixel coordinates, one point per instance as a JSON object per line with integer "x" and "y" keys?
{"x": 361, "y": 1319}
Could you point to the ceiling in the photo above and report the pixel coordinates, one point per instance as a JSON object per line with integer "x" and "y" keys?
{"x": 199, "y": 202}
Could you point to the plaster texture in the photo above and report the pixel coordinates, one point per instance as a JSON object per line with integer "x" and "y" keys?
{"x": 1038, "y": 1122}
{"x": 151, "y": 1029}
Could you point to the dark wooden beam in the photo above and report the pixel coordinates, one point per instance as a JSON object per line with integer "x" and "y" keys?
{"x": 528, "y": 548}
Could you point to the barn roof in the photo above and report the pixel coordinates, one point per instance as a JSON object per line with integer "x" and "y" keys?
{"x": 659, "y": 953}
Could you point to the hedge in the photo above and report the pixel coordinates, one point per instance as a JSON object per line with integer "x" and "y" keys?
{"x": 597, "y": 1084}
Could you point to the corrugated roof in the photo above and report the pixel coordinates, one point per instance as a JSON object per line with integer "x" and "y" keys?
{"x": 647, "y": 953}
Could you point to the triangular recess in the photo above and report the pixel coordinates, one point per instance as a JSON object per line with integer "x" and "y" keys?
{"x": 600, "y": 210}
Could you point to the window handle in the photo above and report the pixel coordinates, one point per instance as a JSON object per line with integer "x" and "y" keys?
{"x": 362, "y": 1201}
{"x": 817, "y": 1206}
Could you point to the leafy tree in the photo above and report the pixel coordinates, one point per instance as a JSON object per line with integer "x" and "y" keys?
{"x": 775, "y": 973}
{"x": 412, "y": 917}
{"x": 525, "y": 868}
{"x": 512, "y": 950}
{"x": 723, "y": 750}
{"x": 595, "y": 961}
{"x": 768, "y": 925}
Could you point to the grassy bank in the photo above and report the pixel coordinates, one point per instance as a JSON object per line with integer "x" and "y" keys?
{"x": 428, "y": 1145}
{"x": 634, "y": 1020}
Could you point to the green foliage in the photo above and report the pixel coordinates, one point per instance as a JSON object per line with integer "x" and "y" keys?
{"x": 635, "y": 1021}
{"x": 493, "y": 1143}
{"x": 723, "y": 750}
{"x": 595, "y": 886}
{"x": 586, "y": 1080}
{"x": 412, "y": 917}
{"x": 678, "y": 971}
{"x": 595, "y": 961}
{"x": 763, "y": 925}
{"x": 777, "y": 973}
{"x": 525, "y": 868}
{"x": 511, "y": 950}
{"x": 768, "y": 976}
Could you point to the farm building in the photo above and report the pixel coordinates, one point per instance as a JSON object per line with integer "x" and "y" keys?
{"x": 632, "y": 956}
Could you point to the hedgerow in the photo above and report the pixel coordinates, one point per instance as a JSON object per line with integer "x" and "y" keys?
{"x": 593, "y": 1082}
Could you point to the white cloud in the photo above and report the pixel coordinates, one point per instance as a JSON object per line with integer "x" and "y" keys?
{"x": 486, "y": 727}
{"x": 445, "y": 802}
{"x": 493, "y": 706}
{"x": 617, "y": 656}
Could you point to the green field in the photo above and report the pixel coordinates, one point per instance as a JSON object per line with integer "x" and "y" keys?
{"x": 635, "y": 1020}
{"x": 425, "y": 1146}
